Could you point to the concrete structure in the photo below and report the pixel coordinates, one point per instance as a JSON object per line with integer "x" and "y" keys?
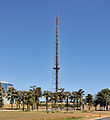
{"x": 5, "y": 85}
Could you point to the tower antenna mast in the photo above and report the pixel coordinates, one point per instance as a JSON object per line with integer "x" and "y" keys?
{"x": 57, "y": 52}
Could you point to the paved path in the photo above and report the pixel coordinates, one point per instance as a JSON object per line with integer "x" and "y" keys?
{"x": 105, "y": 118}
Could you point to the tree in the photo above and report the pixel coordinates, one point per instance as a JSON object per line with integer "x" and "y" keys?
{"x": 78, "y": 95}
{"x": 18, "y": 98}
{"x": 53, "y": 98}
{"x": 89, "y": 100}
{"x": 100, "y": 97}
{"x": 23, "y": 96}
{"x": 29, "y": 99}
{"x": 106, "y": 93}
{"x": 2, "y": 94}
{"x": 83, "y": 103}
{"x": 47, "y": 95}
{"x": 95, "y": 103}
{"x": 11, "y": 95}
{"x": 68, "y": 95}
{"x": 37, "y": 94}
{"x": 103, "y": 98}
{"x": 61, "y": 96}
{"x": 81, "y": 94}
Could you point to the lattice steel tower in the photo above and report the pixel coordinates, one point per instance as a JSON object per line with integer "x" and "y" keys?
{"x": 56, "y": 68}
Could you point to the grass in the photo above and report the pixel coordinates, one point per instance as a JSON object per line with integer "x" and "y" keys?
{"x": 73, "y": 118}
{"x": 40, "y": 115}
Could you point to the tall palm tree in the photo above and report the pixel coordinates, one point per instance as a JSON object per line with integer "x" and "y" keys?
{"x": 106, "y": 93}
{"x": 73, "y": 99}
{"x": 68, "y": 95}
{"x": 103, "y": 98}
{"x": 11, "y": 95}
{"x": 23, "y": 97}
{"x": 100, "y": 97}
{"x": 47, "y": 95}
{"x": 89, "y": 100}
{"x": 37, "y": 94}
{"x": 29, "y": 99}
{"x": 2, "y": 95}
{"x": 78, "y": 95}
{"x": 61, "y": 96}
{"x": 18, "y": 98}
{"x": 81, "y": 94}
{"x": 95, "y": 103}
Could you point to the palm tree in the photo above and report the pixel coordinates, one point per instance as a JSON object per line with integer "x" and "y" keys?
{"x": 37, "y": 94}
{"x": 29, "y": 99}
{"x": 2, "y": 94}
{"x": 47, "y": 95}
{"x": 83, "y": 103}
{"x": 52, "y": 98}
{"x": 18, "y": 98}
{"x": 106, "y": 93}
{"x": 89, "y": 100}
{"x": 100, "y": 97}
{"x": 78, "y": 95}
{"x": 103, "y": 98}
{"x": 61, "y": 96}
{"x": 23, "y": 96}
{"x": 81, "y": 94}
{"x": 95, "y": 103}
{"x": 75, "y": 97}
{"x": 68, "y": 95}
{"x": 11, "y": 95}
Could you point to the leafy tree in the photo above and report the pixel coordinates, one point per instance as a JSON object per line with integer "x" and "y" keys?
{"x": 83, "y": 103}
{"x": 89, "y": 100}
{"x": 23, "y": 97}
{"x": 53, "y": 98}
{"x": 18, "y": 98}
{"x": 11, "y": 95}
{"x": 47, "y": 95}
{"x": 61, "y": 96}
{"x": 78, "y": 95}
{"x": 68, "y": 95}
{"x": 29, "y": 99}
{"x": 100, "y": 97}
{"x": 37, "y": 94}
{"x": 2, "y": 94}
{"x": 103, "y": 98}
{"x": 95, "y": 103}
{"x": 106, "y": 93}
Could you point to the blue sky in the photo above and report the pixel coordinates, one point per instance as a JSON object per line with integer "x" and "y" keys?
{"x": 27, "y": 37}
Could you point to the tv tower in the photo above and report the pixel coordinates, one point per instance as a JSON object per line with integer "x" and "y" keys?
{"x": 56, "y": 68}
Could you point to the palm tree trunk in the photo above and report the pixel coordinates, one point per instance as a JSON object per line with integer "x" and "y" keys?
{"x": 77, "y": 104}
{"x": 12, "y": 106}
{"x": 95, "y": 108}
{"x": 37, "y": 103}
{"x": 19, "y": 106}
{"x": 89, "y": 107}
{"x": 55, "y": 104}
{"x": 47, "y": 104}
{"x": 32, "y": 107}
{"x": 52, "y": 105}
{"x": 67, "y": 103}
{"x": 23, "y": 106}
